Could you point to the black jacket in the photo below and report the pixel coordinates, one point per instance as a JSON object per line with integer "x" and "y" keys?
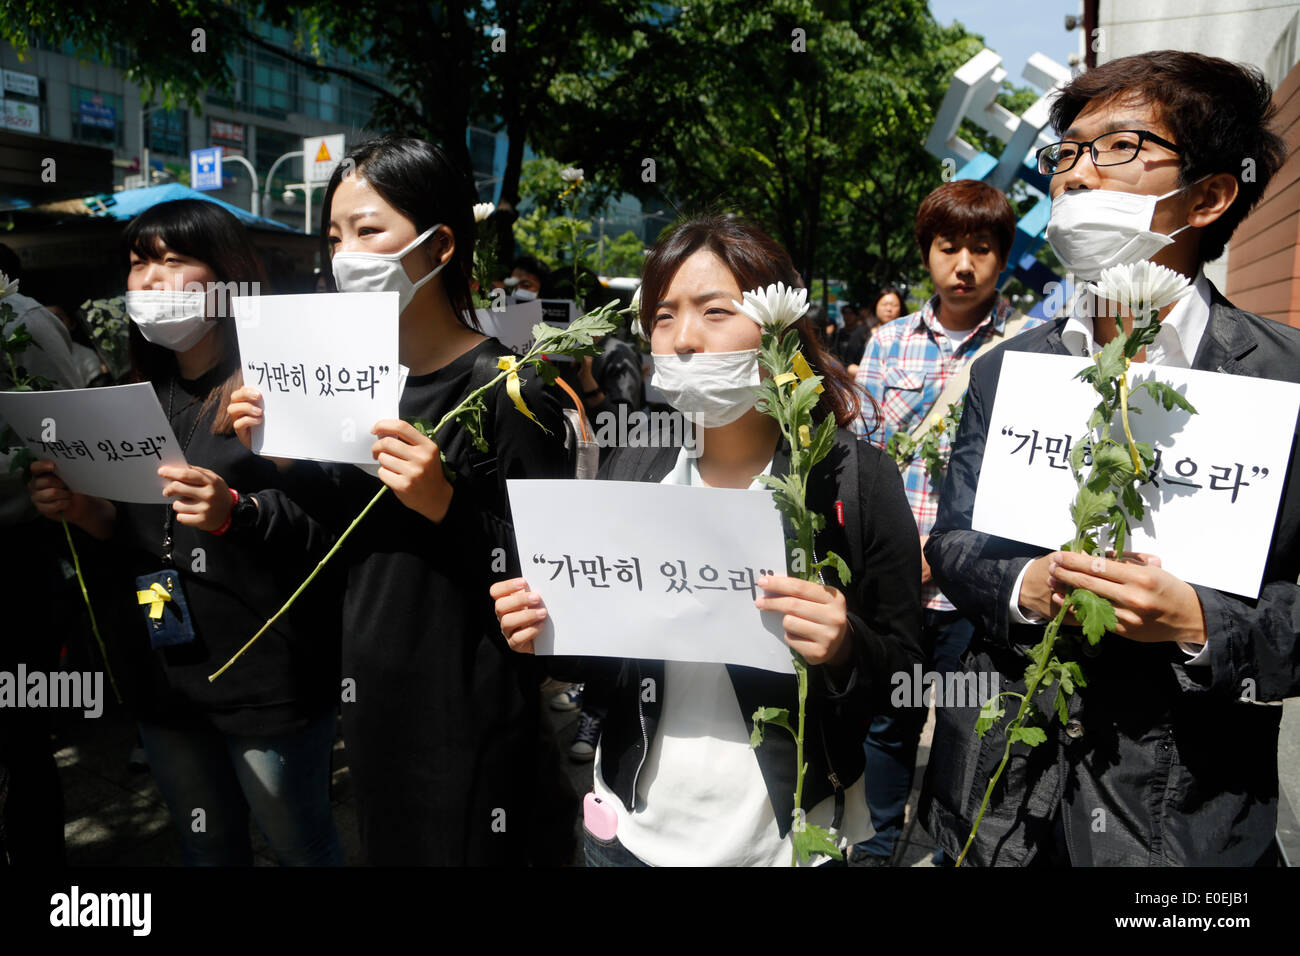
{"x": 1166, "y": 764}
{"x": 879, "y": 543}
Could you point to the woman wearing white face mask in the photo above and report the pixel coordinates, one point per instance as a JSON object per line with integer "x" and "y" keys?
{"x": 658, "y": 804}
{"x": 214, "y": 564}
{"x": 442, "y": 731}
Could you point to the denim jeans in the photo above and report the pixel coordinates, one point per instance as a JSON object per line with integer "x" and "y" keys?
{"x": 283, "y": 778}
{"x": 895, "y": 736}
{"x": 607, "y": 852}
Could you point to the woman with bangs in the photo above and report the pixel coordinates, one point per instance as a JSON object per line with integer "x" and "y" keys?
{"x": 215, "y": 562}
{"x": 654, "y": 805}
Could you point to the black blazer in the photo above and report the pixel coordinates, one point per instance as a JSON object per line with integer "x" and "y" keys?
{"x": 1168, "y": 765}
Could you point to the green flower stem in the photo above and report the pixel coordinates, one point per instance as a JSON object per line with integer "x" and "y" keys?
{"x": 801, "y": 669}
{"x": 1048, "y": 644}
{"x": 302, "y": 587}
{"x": 344, "y": 536}
{"x": 85, "y": 596}
{"x": 533, "y": 355}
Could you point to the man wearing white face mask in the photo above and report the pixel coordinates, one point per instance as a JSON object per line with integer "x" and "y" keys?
{"x": 1158, "y": 747}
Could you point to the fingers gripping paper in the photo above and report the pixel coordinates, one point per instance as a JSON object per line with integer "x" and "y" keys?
{"x": 653, "y": 571}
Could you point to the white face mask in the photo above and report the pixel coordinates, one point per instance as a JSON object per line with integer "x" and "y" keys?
{"x": 1094, "y": 229}
{"x": 715, "y": 388}
{"x": 381, "y": 271}
{"x": 174, "y": 320}
{"x": 525, "y": 295}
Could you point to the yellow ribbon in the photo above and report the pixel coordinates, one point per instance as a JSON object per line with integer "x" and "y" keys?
{"x": 511, "y": 365}
{"x": 155, "y": 597}
{"x": 805, "y": 435}
{"x": 785, "y": 378}
{"x": 804, "y": 370}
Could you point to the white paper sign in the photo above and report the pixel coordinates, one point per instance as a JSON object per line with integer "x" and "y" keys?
{"x": 662, "y": 572}
{"x": 107, "y": 442}
{"x": 326, "y": 365}
{"x": 513, "y": 326}
{"x": 1218, "y": 477}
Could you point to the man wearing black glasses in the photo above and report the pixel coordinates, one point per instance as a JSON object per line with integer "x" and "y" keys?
{"x": 1162, "y": 760}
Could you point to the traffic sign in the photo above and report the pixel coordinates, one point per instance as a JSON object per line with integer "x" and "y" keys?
{"x": 320, "y": 154}
{"x": 205, "y": 168}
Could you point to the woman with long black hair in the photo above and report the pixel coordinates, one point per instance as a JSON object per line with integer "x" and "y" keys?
{"x": 218, "y": 560}
{"x": 676, "y": 779}
{"x": 442, "y": 732}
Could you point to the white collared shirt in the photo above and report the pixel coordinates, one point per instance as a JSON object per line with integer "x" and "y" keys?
{"x": 1175, "y": 345}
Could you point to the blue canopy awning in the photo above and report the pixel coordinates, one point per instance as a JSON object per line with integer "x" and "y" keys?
{"x": 131, "y": 202}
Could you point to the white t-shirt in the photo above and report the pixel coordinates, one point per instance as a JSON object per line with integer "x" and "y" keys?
{"x": 701, "y": 799}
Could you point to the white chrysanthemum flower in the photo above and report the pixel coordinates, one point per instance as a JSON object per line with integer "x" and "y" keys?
{"x": 1143, "y": 288}
{"x": 775, "y": 307}
{"x": 8, "y": 286}
{"x": 571, "y": 174}
{"x": 482, "y": 210}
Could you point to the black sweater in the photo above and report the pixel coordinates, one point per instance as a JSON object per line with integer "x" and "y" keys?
{"x": 234, "y": 583}
{"x": 442, "y": 731}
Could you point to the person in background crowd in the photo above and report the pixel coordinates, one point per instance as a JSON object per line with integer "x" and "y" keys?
{"x": 1170, "y": 743}
{"x": 914, "y": 368}
{"x": 528, "y": 279}
{"x": 888, "y": 306}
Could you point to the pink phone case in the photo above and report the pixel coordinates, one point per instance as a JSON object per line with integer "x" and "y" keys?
{"x": 599, "y": 817}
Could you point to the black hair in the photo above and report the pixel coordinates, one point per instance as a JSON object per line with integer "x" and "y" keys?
{"x": 422, "y": 182}
{"x": 204, "y": 231}
{"x": 1220, "y": 114}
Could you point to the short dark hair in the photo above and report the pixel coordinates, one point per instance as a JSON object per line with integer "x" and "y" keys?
{"x": 965, "y": 207}
{"x": 531, "y": 265}
{"x": 1219, "y": 113}
{"x": 756, "y": 260}
{"x": 422, "y": 182}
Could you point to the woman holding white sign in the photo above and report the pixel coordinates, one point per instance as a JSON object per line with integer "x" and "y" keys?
{"x": 442, "y": 725}
{"x": 654, "y": 803}
{"x": 213, "y": 565}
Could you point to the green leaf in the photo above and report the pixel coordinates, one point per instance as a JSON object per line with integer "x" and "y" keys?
{"x": 1062, "y": 701}
{"x": 1166, "y": 396}
{"x": 822, "y": 440}
{"x": 841, "y": 567}
{"x": 1031, "y": 736}
{"x": 777, "y": 716}
{"x": 1110, "y": 360}
{"x": 809, "y": 840}
{"x": 1091, "y": 508}
{"x": 1133, "y": 502}
{"x": 1095, "y": 614}
{"x": 990, "y": 714}
{"x": 1111, "y": 465}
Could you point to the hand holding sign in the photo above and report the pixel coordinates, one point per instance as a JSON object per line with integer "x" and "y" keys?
{"x": 201, "y": 498}
{"x": 54, "y": 500}
{"x": 411, "y": 465}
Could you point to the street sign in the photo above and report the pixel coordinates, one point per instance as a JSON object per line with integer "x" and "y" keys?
{"x": 320, "y": 154}
{"x": 205, "y": 168}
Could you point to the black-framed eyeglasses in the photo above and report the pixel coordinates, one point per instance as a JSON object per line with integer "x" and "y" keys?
{"x": 1109, "y": 149}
